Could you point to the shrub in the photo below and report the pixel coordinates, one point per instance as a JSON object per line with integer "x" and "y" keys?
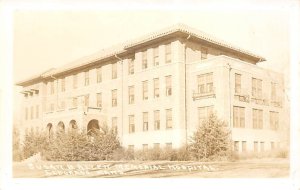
{"x": 211, "y": 140}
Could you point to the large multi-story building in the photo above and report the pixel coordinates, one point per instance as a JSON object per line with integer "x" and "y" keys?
{"x": 156, "y": 90}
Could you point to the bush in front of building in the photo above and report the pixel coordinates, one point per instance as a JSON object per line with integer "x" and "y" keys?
{"x": 78, "y": 146}
{"x": 211, "y": 140}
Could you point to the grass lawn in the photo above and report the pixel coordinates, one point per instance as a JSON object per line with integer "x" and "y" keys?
{"x": 254, "y": 168}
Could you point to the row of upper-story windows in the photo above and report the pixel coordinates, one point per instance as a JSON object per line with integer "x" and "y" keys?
{"x": 256, "y": 148}
{"x": 32, "y": 112}
{"x": 156, "y": 121}
{"x": 257, "y": 118}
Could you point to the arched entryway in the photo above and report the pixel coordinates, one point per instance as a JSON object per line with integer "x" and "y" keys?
{"x": 49, "y": 129}
{"x": 93, "y": 127}
{"x": 61, "y": 126}
{"x": 73, "y": 125}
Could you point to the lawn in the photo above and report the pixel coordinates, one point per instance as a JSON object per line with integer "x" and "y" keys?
{"x": 254, "y": 168}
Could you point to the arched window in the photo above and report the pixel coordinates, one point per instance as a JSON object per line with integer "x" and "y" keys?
{"x": 93, "y": 127}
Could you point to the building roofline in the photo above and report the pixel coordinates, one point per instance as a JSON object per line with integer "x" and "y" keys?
{"x": 167, "y": 33}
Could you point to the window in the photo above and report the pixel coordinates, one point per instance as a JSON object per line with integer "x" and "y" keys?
{"x": 145, "y": 90}
{"x": 63, "y": 84}
{"x": 237, "y": 87}
{"x": 257, "y": 119}
{"x": 168, "y": 85}
{"x": 239, "y": 117}
{"x": 274, "y": 120}
{"x": 75, "y": 81}
{"x": 168, "y": 53}
{"x": 130, "y": 66}
{"x": 156, "y": 56}
{"x": 236, "y": 146}
{"x": 26, "y": 113}
{"x": 74, "y": 102}
{"x": 86, "y": 100}
{"x": 131, "y": 94}
{"x": 31, "y": 112}
{"x": 131, "y": 124}
{"x": 256, "y": 88}
{"x": 203, "y": 113}
{"x": 156, "y": 145}
{"x": 255, "y": 146}
{"x": 52, "y": 107}
{"x": 144, "y": 60}
{"x": 205, "y": 83}
{"x": 114, "y": 71}
{"x": 145, "y": 147}
{"x": 156, "y": 120}
{"x": 86, "y": 78}
{"x": 169, "y": 118}
{"x": 273, "y": 91}
{"x": 156, "y": 87}
{"x": 244, "y": 146}
{"x": 37, "y": 111}
{"x": 262, "y": 146}
{"x": 114, "y": 101}
{"x": 99, "y": 100}
{"x": 114, "y": 124}
{"x": 169, "y": 146}
{"x": 145, "y": 121}
{"x": 52, "y": 87}
{"x": 272, "y": 146}
{"x": 99, "y": 74}
{"x": 203, "y": 53}
{"x": 62, "y": 105}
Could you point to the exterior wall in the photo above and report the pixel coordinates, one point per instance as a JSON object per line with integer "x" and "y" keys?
{"x": 186, "y": 64}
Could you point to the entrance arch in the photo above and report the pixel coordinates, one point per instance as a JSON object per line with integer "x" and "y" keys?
{"x": 73, "y": 125}
{"x": 93, "y": 126}
{"x": 49, "y": 129}
{"x": 61, "y": 126}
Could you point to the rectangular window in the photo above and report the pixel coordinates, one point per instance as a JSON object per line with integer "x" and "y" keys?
{"x": 272, "y": 146}
{"x": 86, "y": 100}
{"x": 63, "y": 84}
{"x": 145, "y": 121}
{"x": 168, "y": 85}
{"x": 156, "y": 56}
{"x": 203, "y": 113}
{"x": 244, "y": 146}
{"x": 203, "y": 53}
{"x": 31, "y": 112}
{"x": 52, "y": 87}
{"x": 75, "y": 81}
{"x": 37, "y": 111}
{"x": 99, "y": 74}
{"x": 236, "y": 146}
{"x": 168, "y": 53}
{"x": 145, "y": 147}
{"x": 144, "y": 60}
{"x": 131, "y": 66}
{"x": 169, "y": 146}
{"x": 255, "y": 146}
{"x": 156, "y": 87}
{"x": 262, "y": 146}
{"x": 156, "y": 120}
{"x": 114, "y": 101}
{"x": 256, "y": 88}
{"x": 205, "y": 83}
{"x": 169, "y": 118}
{"x": 237, "y": 87}
{"x": 156, "y": 146}
{"x": 257, "y": 119}
{"x": 26, "y": 113}
{"x": 99, "y": 100}
{"x": 238, "y": 117}
{"x": 114, "y": 123}
{"x": 86, "y": 78}
{"x": 145, "y": 90}
{"x": 274, "y": 120}
{"x": 131, "y": 94}
{"x": 131, "y": 124}
{"x": 273, "y": 91}
{"x": 52, "y": 107}
{"x": 114, "y": 71}
{"x": 74, "y": 102}
{"x": 62, "y": 104}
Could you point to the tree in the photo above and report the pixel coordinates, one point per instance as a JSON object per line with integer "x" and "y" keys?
{"x": 211, "y": 140}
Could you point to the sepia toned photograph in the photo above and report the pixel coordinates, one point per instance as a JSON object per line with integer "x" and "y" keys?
{"x": 151, "y": 94}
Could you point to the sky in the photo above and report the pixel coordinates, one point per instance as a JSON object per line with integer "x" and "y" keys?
{"x": 47, "y": 39}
